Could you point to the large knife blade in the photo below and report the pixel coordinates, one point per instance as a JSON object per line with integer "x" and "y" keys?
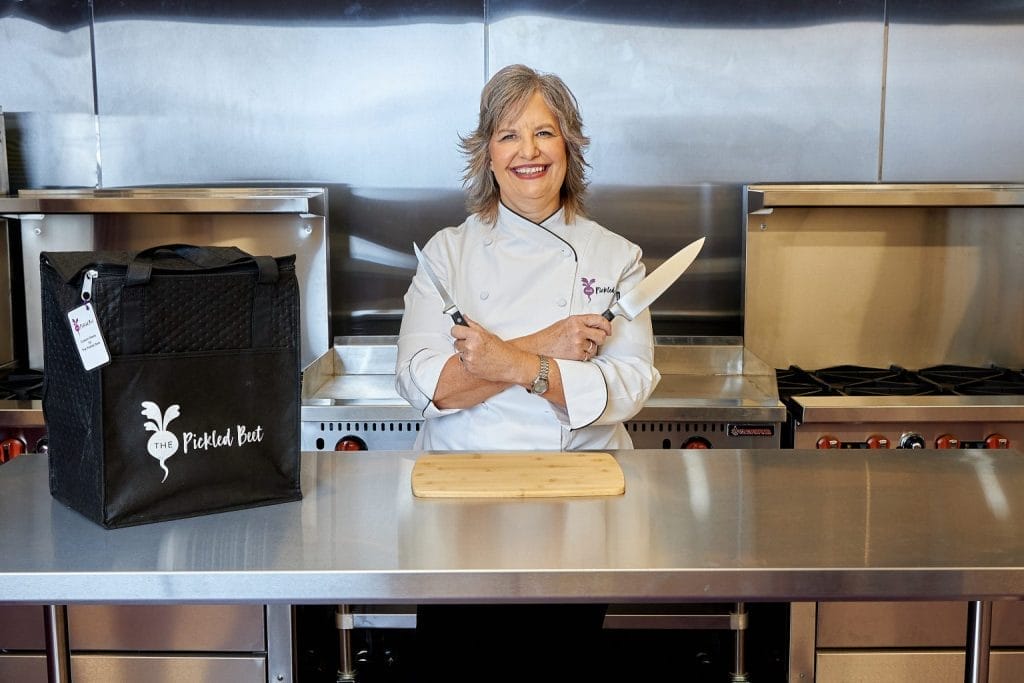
{"x": 633, "y": 302}
{"x": 449, "y": 306}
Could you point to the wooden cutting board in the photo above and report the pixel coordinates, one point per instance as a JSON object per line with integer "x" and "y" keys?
{"x": 514, "y": 474}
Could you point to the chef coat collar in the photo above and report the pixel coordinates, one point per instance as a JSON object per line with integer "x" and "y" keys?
{"x": 554, "y": 223}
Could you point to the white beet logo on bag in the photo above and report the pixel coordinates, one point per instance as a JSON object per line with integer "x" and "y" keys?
{"x": 163, "y": 444}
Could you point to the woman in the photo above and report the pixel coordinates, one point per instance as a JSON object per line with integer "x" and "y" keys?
{"x": 532, "y": 276}
{"x": 536, "y": 366}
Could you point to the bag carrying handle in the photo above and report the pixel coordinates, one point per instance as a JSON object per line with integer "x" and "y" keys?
{"x": 140, "y": 267}
{"x": 140, "y": 270}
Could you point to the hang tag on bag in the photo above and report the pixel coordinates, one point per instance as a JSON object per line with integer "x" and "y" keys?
{"x": 89, "y": 341}
{"x": 88, "y": 337}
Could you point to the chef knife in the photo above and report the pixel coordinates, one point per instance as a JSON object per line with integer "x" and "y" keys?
{"x": 643, "y": 295}
{"x": 449, "y": 306}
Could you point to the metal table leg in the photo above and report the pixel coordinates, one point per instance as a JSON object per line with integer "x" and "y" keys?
{"x": 343, "y": 620}
{"x": 979, "y": 632}
{"x": 739, "y": 625}
{"x": 58, "y": 655}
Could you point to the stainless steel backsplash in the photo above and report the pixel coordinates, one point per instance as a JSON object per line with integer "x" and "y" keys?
{"x": 685, "y": 103}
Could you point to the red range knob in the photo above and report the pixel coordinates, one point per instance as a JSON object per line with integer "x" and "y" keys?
{"x": 996, "y": 441}
{"x": 350, "y": 443}
{"x": 878, "y": 441}
{"x": 11, "y": 449}
{"x": 947, "y": 441}
{"x": 829, "y": 442}
{"x": 697, "y": 442}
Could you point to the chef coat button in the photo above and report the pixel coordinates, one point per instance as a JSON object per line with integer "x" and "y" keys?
{"x": 561, "y": 302}
{"x": 488, "y": 241}
{"x": 484, "y": 295}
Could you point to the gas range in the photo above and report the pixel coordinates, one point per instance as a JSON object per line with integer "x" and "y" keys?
{"x": 713, "y": 394}
{"x": 943, "y": 406}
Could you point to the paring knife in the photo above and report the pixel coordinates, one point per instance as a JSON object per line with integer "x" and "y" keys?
{"x": 449, "y": 306}
{"x": 633, "y": 302}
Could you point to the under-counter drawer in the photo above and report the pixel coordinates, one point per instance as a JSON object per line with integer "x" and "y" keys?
{"x": 139, "y": 669}
{"x": 912, "y": 624}
{"x": 918, "y": 666}
{"x": 160, "y": 628}
{"x": 891, "y": 624}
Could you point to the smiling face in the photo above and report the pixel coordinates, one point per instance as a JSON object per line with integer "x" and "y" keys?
{"x": 528, "y": 160}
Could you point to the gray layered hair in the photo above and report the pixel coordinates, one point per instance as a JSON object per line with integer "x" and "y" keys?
{"x": 505, "y": 97}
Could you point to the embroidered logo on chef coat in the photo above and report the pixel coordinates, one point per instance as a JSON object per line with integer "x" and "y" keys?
{"x": 164, "y": 443}
{"x": 590, "y": 290}
{"x": 588, "y": 286}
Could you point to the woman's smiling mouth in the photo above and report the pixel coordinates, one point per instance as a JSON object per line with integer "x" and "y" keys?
{"x": 529, "y": 171}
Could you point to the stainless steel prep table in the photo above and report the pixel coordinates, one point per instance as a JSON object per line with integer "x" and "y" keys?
{"x": 693, "y": 525}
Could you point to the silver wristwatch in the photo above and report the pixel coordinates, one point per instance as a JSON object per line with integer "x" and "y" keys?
{"x": 540, "y": 383}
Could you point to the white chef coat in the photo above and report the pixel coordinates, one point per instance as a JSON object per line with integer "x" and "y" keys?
{"x": 515, "y": 278}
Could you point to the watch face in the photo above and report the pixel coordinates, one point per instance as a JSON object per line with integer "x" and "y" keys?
{"x": 540, "y": 386}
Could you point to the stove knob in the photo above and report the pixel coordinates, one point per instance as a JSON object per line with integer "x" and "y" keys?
{"x": 350, "y": 443}
{"x": 829, "y": 442}
{"x": 911, "y": 440}
{"x": 697, "y": 442}
{"x": 996, "y": 441}
{"x": 947, "y": 441}
{"x": 877, "y": 441}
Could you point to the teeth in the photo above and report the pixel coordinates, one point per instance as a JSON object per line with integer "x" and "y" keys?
{"x": 529, "y": 169}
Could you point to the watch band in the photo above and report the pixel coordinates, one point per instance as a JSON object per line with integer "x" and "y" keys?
{"x": 540, "y": 382}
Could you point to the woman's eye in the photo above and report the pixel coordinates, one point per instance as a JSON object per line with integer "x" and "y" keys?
{"x": 545, "y": 133}
{"x": 507, "y": 136}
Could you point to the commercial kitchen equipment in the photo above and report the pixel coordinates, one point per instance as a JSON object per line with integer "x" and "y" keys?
{"x": 890, "y": 314}
{"x": 713, "y": 393}
{"x": 692, "y": 525}
{"x": 211, "y": 642}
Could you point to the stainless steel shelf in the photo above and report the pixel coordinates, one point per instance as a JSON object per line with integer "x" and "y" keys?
{"x": 763, "y": 197}
{"x": 309, "y": 200}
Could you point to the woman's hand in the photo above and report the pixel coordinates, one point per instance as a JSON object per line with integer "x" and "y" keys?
{"x": 577, "y": 337}
{"x": 489, "y": 357}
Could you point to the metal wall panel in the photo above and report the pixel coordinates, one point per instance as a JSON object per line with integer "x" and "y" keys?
{"x": 312, "y": 91}
{"x": 46, "y": 90}
{"x": 677, "y": 93}
{"x": 954, "y": 92}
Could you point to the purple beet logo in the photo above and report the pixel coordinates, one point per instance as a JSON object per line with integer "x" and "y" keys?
{"x": 588, "y": 286}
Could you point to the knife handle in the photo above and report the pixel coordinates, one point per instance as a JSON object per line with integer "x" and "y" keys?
{"x": 457, "y": 317}
{"x": 608, "y": 315}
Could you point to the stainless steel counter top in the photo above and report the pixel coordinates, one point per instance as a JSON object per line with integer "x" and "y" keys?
{"x": 713, "y": 525}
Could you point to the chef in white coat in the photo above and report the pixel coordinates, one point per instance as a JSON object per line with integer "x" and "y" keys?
{"x": 537, "y": 367}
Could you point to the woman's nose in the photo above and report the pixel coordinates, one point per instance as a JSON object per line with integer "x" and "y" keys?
{"x": 528, "y": 148}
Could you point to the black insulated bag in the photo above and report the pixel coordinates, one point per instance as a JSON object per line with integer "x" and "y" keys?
{"x": 171, "y": 381}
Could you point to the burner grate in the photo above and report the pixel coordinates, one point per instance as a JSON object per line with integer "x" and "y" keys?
{"x": 22, "y": 385}
{"x": 856, "y": 380}
{"x": 795, "y": 381}
{"x": 976, "y": 381}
